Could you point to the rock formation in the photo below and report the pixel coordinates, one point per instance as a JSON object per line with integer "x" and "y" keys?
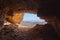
{"x": 46, "y": 9}
{"x": 49, "y": 10}
{"x": 43, "y": 32}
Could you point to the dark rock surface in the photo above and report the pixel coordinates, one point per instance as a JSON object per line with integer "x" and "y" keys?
{"x": 39, "y": 32}
{"x": 12, "y": 33}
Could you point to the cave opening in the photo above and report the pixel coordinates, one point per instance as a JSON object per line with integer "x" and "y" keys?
{"x": 31, "y": 20}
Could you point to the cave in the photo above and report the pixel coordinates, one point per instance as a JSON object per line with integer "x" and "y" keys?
{"x": 13, "y": 12}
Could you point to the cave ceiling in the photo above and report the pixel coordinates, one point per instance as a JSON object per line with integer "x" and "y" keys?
{"x": 46, "y": 7}
{"x": 24, "y": 5}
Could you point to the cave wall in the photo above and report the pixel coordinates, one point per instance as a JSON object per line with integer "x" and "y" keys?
{"x": 49, "y": 10}
{"x": 16, "y": 5}
{"x": 46, "y": 9}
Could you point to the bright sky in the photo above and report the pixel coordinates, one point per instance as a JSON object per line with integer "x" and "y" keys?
{"x": 31, "y": 17}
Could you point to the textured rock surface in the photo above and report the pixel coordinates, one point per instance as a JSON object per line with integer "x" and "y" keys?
{"x": 39, "y": 32}
{"x": 48, "y": 10}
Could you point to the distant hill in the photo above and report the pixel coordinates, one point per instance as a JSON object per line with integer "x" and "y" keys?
{"x": 31, "y": 23}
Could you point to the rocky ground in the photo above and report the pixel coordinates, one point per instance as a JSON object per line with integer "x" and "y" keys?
{"x": 16, "y": 33}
